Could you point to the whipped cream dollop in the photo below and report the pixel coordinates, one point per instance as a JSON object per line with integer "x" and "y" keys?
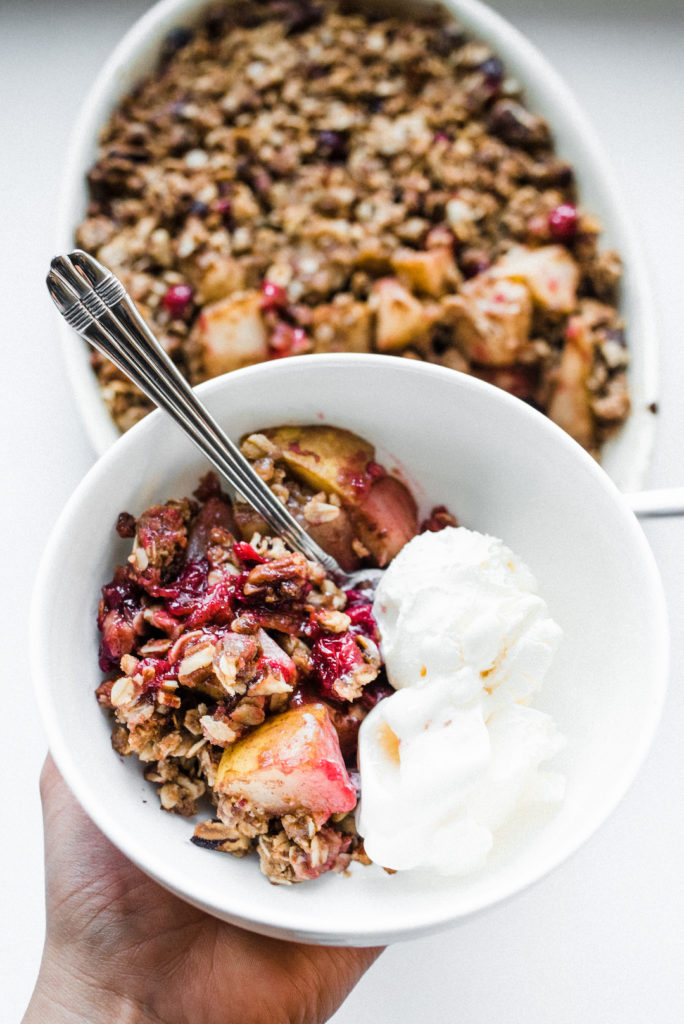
{"x": 456, "y": 751}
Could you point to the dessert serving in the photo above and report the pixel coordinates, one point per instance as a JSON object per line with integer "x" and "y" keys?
{"x": 243, "y": 676}
{"x": 503, "y": 470}
{"x": 307, "y": 178}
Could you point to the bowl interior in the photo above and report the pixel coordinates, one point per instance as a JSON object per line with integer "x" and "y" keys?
{"x": 625, "y": 458}
{"x": 501, "y": 468}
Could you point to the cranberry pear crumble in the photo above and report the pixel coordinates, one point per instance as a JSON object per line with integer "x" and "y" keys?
{"x": 302, "y": 176}
{"x": 237, "y": 671}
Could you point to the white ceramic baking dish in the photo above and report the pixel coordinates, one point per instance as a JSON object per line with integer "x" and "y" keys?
{"x": 626, "y": 456}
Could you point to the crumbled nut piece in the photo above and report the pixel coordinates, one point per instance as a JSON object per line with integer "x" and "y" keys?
{"x": 201, "y": 656}
{"x": 248, "y": 713}
{"x": 235, "y": 662}
{"x": 217, "y": 732}
{"x": 257, "y": 445}
{"x": 318, "y": 510}
{"x": 214, "y": 835}
{"x": 178, "y": 792}
{"x": 195, "y": 748}
{"x": 191, "y": 721}
{"x": 124, "y": 691}
{"x": 333, "y": 621}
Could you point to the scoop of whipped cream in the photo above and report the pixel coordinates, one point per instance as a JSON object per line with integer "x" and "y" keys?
{"x": 448, "y": 758}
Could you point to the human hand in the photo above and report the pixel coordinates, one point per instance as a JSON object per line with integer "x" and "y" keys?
{"x": 120, "y": 948}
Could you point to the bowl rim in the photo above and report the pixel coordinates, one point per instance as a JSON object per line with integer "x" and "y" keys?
{"x": 529, "y": 65}
{"x": 275, "y": 922}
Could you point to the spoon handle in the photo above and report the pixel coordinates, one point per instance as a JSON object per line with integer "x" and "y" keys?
{"x": 95, "y": 303}
{"x": 669, "y": 501}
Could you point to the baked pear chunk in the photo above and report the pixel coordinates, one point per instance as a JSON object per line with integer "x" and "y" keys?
{"x": 326, "y": 458}
{"x": 231, "y": 333}
{"x": 291, "y": 762}
{"x": 337, "y": 462}
{"x": 386, "y": 519}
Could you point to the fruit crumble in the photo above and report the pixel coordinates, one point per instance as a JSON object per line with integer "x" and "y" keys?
{"x": 237, "y": 671}
{"x": 300, "y": 176}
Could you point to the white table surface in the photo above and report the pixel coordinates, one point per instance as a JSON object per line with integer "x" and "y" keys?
{"x": 602, "y": 939}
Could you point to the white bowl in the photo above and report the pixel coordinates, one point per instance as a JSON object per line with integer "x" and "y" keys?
{"x": 502, "y": 468}
{"x": 626, "y": 457}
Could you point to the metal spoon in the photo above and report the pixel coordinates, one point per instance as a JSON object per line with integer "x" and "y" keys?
{"x": 95, "y": 303}
{"x": 667, "y": 501}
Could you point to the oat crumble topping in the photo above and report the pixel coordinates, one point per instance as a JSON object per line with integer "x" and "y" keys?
{"x": 301, "y": 177}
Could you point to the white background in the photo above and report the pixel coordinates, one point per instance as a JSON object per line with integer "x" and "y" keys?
{"x": 602, "y": 939}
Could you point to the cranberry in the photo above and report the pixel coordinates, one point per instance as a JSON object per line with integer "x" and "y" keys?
{"x": 332, "y": 658}
{"x": 439, "y": 518}
{"x": 154, "y": 671}
{"x": 287, "y": 341}
{"x": 359, "y": 608}
{"x": 175, "y": 40}
{"x": 178, "y": 301}
{"x": 617, "y": 335}
{"x": 187, "y": 589}
{"x": 360, "y": 484}
{"x": 281, "y": 339}
{"x": 302, "y": 17}
{"x": 473, "y": 262}
{"x": 121, "y": 594}
{"x": 302, "y": 694}
{"x": 125, "y": 525}
{"x": 198, "y": 209}
{"x": 208, "y": 487}
{"x": 300, "y": 342}
{"x": 224, "y": 207}
{"x": 442, "y": 338}
{"x": 447, "y": 39}
{"x": 493, "y": 70}
{"x": 363, "y": 621}
{"x": 215, "y": 606}
{"x": 246, "y": 553}
{"x": 273, "y": 296}
{"x": 563, "y": 222}
{"x": 119, "y": 609}
{"x": 375, "y": 692}
{"x": 333, "y": 145}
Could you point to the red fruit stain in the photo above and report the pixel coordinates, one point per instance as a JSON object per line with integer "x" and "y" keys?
{"x": 298, "y": 450}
